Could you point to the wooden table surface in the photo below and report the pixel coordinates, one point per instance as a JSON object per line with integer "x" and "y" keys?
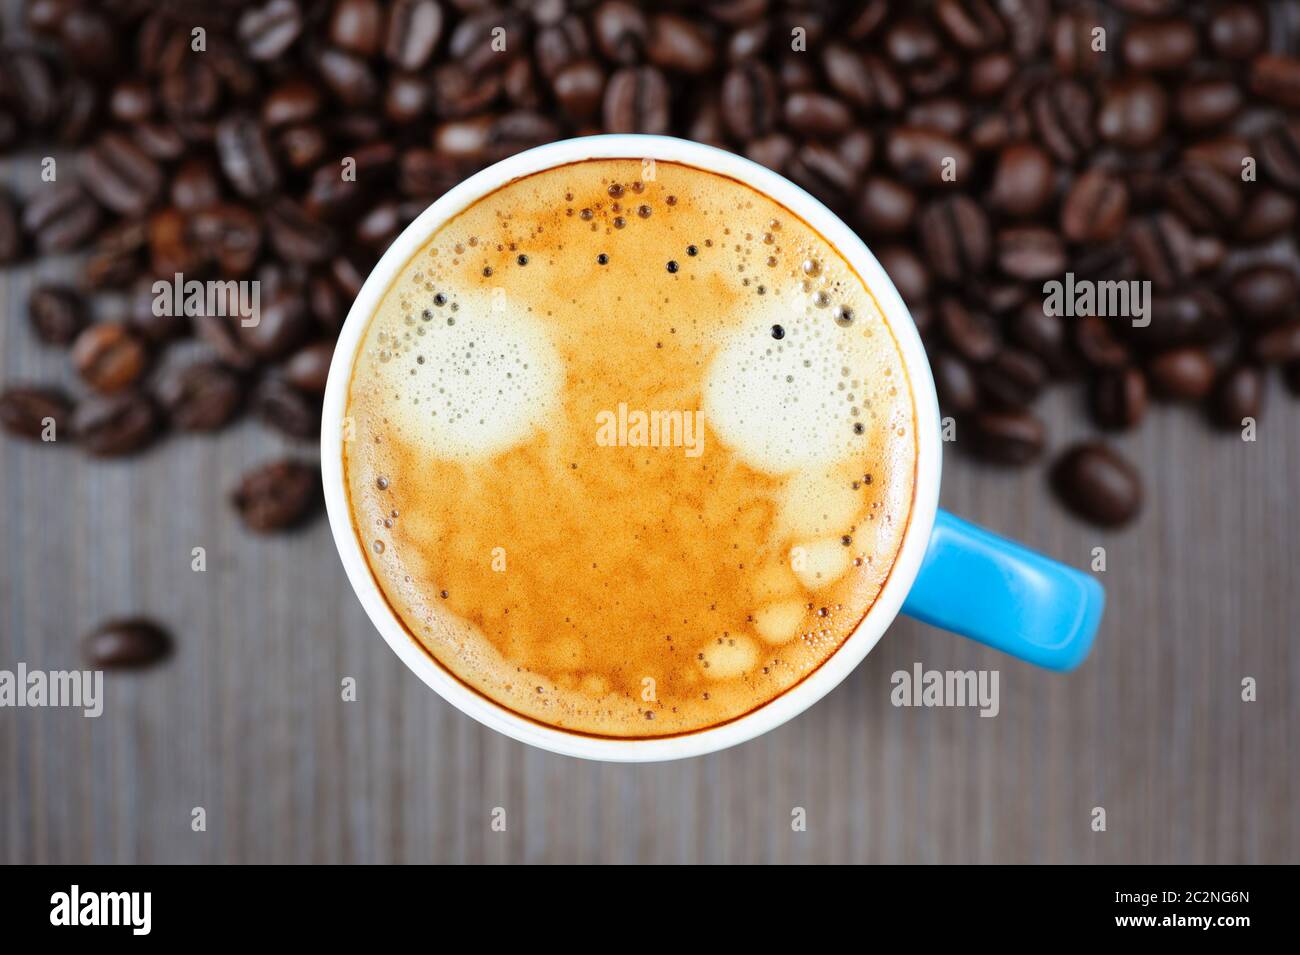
{"x": 247, "y": 720}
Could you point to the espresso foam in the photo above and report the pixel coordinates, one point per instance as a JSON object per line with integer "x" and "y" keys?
{"x": 465, "y": 389}
{"x": 573, "y": 561}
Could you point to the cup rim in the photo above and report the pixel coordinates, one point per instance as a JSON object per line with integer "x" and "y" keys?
{"x": 928, "y": 463}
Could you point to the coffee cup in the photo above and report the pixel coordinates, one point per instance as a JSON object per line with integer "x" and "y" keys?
{"x": 947, "y": 572}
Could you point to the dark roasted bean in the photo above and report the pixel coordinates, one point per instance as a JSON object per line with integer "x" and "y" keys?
{"x": 277, "y": 496}
{"x": 57, "y": 313}
{"x": 1181, "y": 374}
{"x": 956, "y": 237}
{"x": 112, "y": 425}
{"x": 1118, "y": 399}
{"x": 1238, "y": 394}
{"x": 1098, "y": 485}
{"x": 109, "y": 356}
{"x": 203, "y": 396}
{"x": 36, "y": 413}
{"x": 126, "y": 644}
{"x": 1006, "y": 437}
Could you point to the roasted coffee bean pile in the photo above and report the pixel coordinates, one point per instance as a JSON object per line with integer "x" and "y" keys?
{"x": 981, "y": 147}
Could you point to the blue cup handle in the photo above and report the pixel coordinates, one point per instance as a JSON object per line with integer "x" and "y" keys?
{"x": 1006, "y": 596}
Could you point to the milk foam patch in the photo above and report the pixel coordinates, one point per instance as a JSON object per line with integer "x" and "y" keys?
{"x": 786, "y": 388}
{"x": 470, "y": 373}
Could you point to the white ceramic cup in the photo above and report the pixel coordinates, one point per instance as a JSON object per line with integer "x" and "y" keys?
{"x": 795, "y": 700}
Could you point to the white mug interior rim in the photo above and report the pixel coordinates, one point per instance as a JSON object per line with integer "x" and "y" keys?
{"x": 920, "y": 522}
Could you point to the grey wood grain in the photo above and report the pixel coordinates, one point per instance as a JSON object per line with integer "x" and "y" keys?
{"x": 247, "y": 720}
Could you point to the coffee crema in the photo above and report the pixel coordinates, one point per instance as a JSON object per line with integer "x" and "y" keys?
{"x": 631, "y": 448}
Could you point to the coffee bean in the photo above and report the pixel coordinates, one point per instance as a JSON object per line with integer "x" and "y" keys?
{"x": 1097, "y": 345}
{"x": 357, "y": 25}
{"x": 27, "y": 411}
{"x": 621, "y": 31}
{"x": 1238, "y": 394}
{"x": 1095, "y": 209}
{"x": 1072, "y": 43}
{"x": 194, "y": 186}
{"x": 1030, "y": 253}
{"x": 748, "y": 100}
{"x": 308, "y": 368}
{"x": 226, "y": 235}
{"x": 287, "y": 409}
{"x": 1181, "y": 374}
{"x": 30, "y": 85}
{"x": 887, "y": 206}
{"x": 1043, "y": 335}
{"x": 1159, "y": 46}
{"x": 579, "y": 88}
{"x": 847, "y": 73}
{"x": 297, "y": 237}
{"x": 131, "y": 101}
{"x": 1276, "y": 78}
{"x": 972, "y": 334}
{"x": 678, "y": 44}
{"x": 816, "y": 114}
{"x": 1164, "y": 249}
{"x": 203, "y": 396}
{"x": 1268, "y": 213}
{"x": 190, "y": 94}
{"x": 1118, "y": 399}
{"x": 117, "y": 424}
{"x": 109, "y": 356}
{"x": 1279, "y": 155}
{"x": 956, "y": 237}
{"x": 60, "y": 218}
{"x": 907, "y": 272}
{"x": 129, "y": 643}
{"x": 414, "y": 27}
{"x": 823, "y": 172}
{"x": 1023, "y": 180}
{"x": 246, "y": 156}
{"x": 1263, "y": 293}
{"x": 267, "y": 30}
{"x": 1203, "y": 103}
{"x": 155, "y": 324}
{"x": 1062, "y": 116}
{"x": 1291, "y": 376}
{"x": 1133, "y": 113}
{"x": 955, "y": 384}
{"x": 923, "y": 156}
{"x": 1237, "y": 30}
{"x": 636, "y": 101}
{"x": 121, "y": 175}
{"x": 989, "y": 74}
{"x": 277, "y": 496}
{"x": 280, "y": 327}
{"x": 1006, "y": 437}
{"x": 57, "y": 313}
{"x": 971, "y": 24}
{"x": 1207, "y": 199}
{"x": 1013, "y": 379}
{"x": 1097, "y": 484}
{"x": 11, "y": 233}
{"x": 1278, "y": 345}
{"x": 1194, "y": 317}
{"x": 1225, "y": 153}
{"x": 219, "y": 332}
